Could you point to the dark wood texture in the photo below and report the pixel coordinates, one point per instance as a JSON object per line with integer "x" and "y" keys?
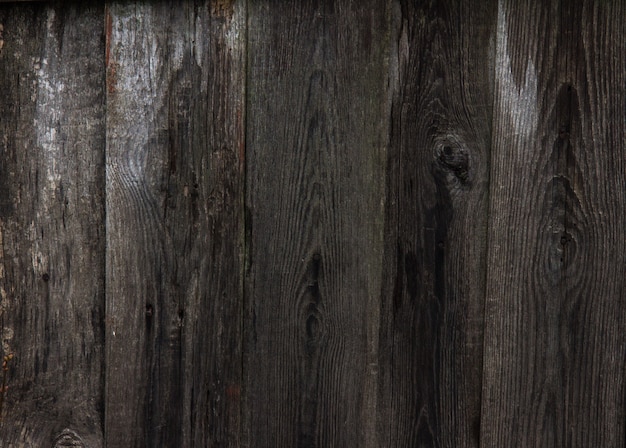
{"x": 315, "y": 139}
{"x": 556, "y": 310}
{"x": 175, "y": 136}
{"x": 374, "y": 223}
{"x": 52, "y": 223}
{"x": 436, "y": 223}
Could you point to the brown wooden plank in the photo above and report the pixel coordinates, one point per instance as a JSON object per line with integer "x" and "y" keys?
{"x": 435, "y": 223}
{"x": 315, "y": 136}
{"x": 174, "y": 219}
{"x": 555, "y": 360}
{"x": 52, "y": 223}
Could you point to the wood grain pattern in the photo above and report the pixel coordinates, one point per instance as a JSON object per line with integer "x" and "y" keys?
{"x": 315, "y": 135}
{"x": 435, "y": 226}
{"x": 313, "y": 223}
{"x": 52, "y": 223}
{"x": 175, "y": 223}
{"x": 555, "y": 296}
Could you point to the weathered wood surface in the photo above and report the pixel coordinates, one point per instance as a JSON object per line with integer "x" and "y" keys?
{"x": 436, "y": 223}
{"x": 556, "y": 311}
{"x": 313, "y": 223}
{"x": 52, "y": 223}
{"x": 315, "y": 157}
{"x": 174, "y": 223}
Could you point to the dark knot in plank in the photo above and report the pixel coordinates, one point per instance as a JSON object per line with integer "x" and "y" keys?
{"x": 68, "y": 438}
{"x": 455, "y": 160}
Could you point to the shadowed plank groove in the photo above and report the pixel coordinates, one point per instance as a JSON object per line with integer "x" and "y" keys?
{"x": 555, "y": 295}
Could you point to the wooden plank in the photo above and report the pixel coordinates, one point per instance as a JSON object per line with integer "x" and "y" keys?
{"x": 315, "y": 136}
{"x": 435, "y": 223}
{"x": 52, "y": 223}
{"x": 174, "y": 221}
{"x": 555, "y": 360}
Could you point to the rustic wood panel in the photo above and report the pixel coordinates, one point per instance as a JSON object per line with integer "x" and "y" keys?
{"x": 315, "y": 135}
{"x": 436, "y": 223}
{"x": 434, "y": 210}
{"x": 175, "y": 136}
{"x": 554, "y": 362}
{"x": 52, "y": 223}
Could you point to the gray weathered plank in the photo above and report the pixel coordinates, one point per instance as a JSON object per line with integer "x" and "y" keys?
{"x": 315, "y": 135}
{"x": 175, "y": 137}
{"x": 556, "y": 299}
{"x": 435, "y": 223}
{"x": 52, "y": 223}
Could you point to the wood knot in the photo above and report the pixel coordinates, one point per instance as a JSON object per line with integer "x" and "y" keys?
{"x": 455, "y": 160}
{"x": 68, "y": 438}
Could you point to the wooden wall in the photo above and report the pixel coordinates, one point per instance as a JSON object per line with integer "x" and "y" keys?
{"x": 316, "y": 223}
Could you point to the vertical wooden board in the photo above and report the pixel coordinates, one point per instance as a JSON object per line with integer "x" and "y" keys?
{"x": 436, "y": 223}
{"x": 555, "y": 319}
{"x": 175, "y": 223}
{"x": 315, "y": 135}
{"x": 52, "y": 223}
